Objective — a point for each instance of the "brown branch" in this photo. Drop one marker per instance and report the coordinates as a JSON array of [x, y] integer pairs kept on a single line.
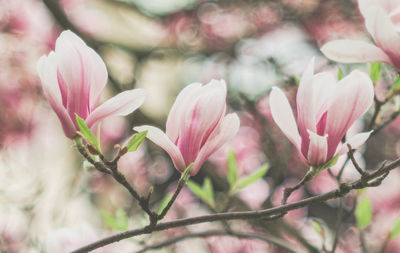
[[392, 117], [265, 238], [289, 190], [385, 243], [364, 247], [55, 10], [377, 109], [340, 192], [110, 167], [338, 225], [164, 212], [355, 163]]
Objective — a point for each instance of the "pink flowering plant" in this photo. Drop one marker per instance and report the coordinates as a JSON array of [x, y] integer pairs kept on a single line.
[[73, 77], [326, 109], [240, 135], [382, 21]]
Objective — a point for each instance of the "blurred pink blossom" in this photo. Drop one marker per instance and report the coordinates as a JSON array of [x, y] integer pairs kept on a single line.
[[73, 78], [134, 166], [382, 20], [325, 111], [112, 131], [255, 194], [247, 150], [13, 231], [196, 125]]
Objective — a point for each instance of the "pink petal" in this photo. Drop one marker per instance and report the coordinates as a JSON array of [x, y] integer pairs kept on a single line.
[[177, 111], [354, 51], [200, 117], [387, 5], [47, 71], [283, 116], [318, 149], [223, 133], [324, 85], [395, 15], [384, 33], [74, 72], [306, 106], [120, 105], [161, 139], [353, 98], [355, 142], [99, 77]]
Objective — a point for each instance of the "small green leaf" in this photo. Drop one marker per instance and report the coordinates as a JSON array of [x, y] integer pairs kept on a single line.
[[196, 189], [339, 74], [119, 222], [375, 71], [121, 219], [361, 191], [186, 174], [363, 213], [245, 181], [136, 140], [232, 168], [327, 165], [164, 203], [296, 80], [317, 227], [108, 219], [395, 229], [87, 165], [396, 86], [205, 193], [98, 135], [89, 136], [209, 191]]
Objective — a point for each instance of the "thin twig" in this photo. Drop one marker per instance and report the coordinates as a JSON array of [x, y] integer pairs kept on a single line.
[[392, 117], [338, 225], [363, 243], [289, 190], [340, 192], [377, 109], [110, 167], [164, 212], [339, 176], [385, 243], [265, 238], [355, 163]]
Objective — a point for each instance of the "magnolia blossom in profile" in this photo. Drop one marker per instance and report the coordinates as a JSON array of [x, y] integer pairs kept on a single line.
[[382, 20], [326, 109], [196, 125], [73, 78]]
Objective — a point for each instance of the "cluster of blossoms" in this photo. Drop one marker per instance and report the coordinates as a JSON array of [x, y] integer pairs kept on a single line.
[[74, 76]]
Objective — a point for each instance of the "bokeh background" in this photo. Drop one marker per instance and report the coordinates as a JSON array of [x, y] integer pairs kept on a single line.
[[50, 203]]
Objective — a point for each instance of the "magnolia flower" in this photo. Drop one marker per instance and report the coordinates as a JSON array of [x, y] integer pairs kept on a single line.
[[382, 20], [325, 111], [196, 125], [73, 78]]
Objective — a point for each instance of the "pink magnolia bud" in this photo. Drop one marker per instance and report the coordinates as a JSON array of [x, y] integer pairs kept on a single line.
[[382, 20], [73, 78], [196, 125], [325, 111]]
